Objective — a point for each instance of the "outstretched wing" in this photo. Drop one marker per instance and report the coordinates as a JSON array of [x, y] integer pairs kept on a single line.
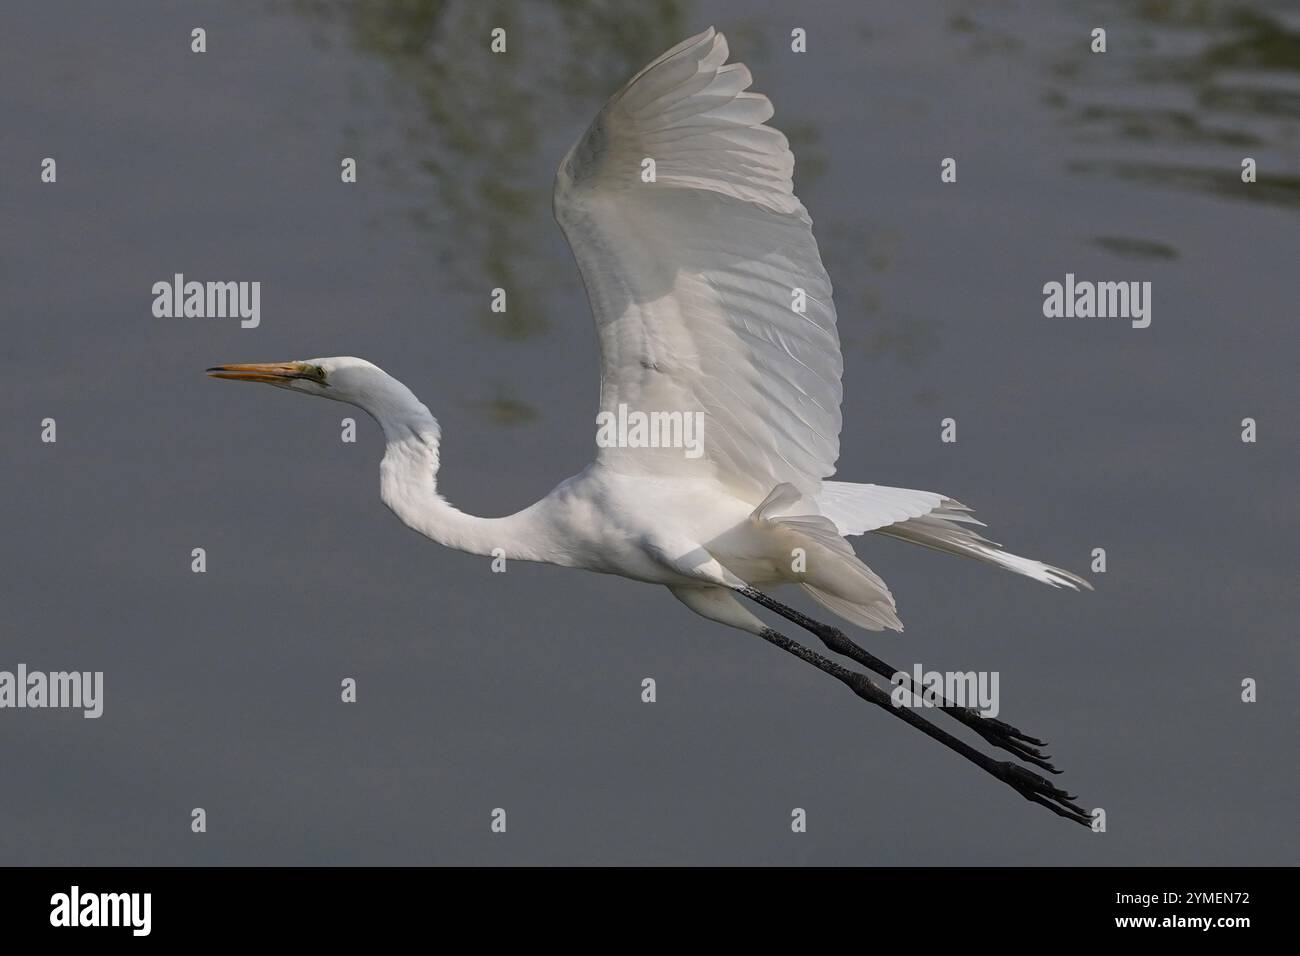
[[705, 281]]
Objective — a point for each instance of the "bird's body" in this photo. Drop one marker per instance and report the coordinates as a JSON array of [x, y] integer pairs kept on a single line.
[[652, 529], [711, 305]]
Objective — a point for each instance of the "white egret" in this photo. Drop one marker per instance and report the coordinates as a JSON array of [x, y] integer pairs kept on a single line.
[[710, 300]]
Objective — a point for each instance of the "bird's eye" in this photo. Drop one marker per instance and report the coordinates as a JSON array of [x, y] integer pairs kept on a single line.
[[317, 373]]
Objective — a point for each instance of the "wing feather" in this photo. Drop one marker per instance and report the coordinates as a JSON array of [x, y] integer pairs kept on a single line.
[[692, 276]]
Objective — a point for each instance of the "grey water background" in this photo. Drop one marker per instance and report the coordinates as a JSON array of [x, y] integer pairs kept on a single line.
[[522, 690]]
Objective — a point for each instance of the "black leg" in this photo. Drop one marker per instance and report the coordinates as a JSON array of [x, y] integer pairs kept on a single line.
[[996, 732], [1024, 781]]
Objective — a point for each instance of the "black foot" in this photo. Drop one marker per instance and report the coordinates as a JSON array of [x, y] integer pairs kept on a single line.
[[1005, 737], [1040, 790]]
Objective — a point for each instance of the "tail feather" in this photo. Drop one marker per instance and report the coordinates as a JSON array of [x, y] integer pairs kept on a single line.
[[875, 616], [931, 520], [835, 576]]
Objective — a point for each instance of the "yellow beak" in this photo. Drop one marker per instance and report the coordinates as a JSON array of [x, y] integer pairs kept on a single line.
[[273, 373]]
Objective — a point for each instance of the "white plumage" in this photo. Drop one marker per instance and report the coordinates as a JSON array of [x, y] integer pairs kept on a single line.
[[691, 280], [693, 275], [710, 300]]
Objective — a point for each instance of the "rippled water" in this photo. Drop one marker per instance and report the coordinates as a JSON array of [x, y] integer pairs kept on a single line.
[[1185, 89], [521, 690]]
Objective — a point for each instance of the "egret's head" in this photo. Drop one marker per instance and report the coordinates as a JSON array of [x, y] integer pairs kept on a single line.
[[343, 378]]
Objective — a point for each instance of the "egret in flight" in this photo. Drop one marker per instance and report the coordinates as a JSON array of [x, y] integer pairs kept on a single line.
[[711, 305]]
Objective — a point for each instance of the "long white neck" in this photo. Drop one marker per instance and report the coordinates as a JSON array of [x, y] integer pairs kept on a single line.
[[408, 478]]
